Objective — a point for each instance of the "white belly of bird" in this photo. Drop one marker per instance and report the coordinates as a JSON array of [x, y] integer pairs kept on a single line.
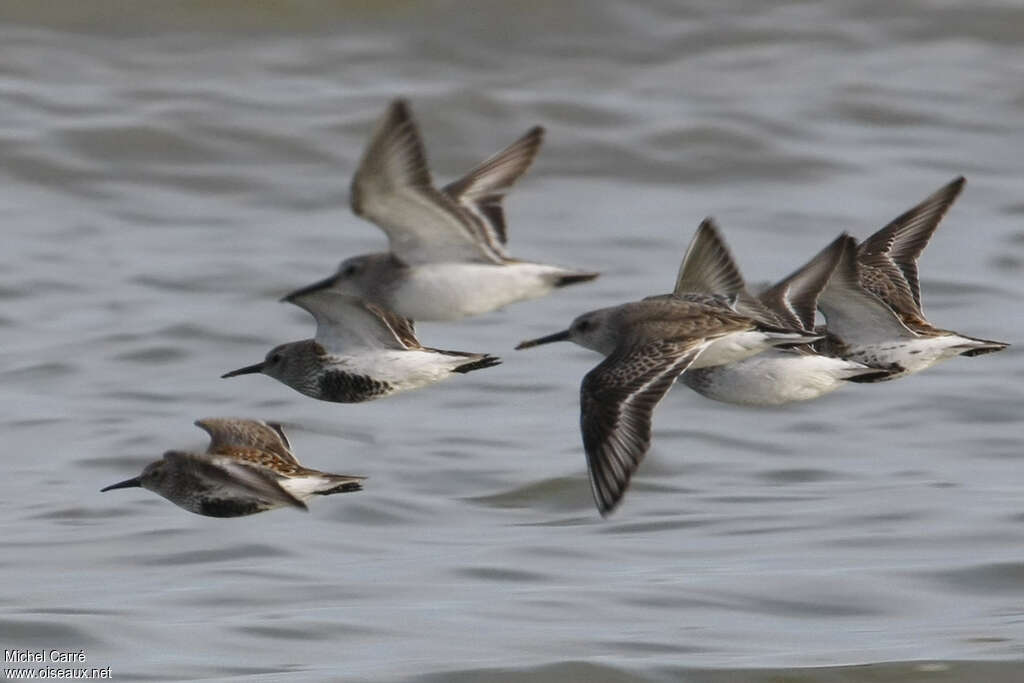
[[732, 348], [772, 378], [305, 487], [911, 355], [448, 291], [403, 370]]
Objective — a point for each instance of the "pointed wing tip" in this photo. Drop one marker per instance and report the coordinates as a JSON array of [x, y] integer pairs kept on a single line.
[[954, 187], [841, 238], [606, 508], [835, 249], [708, 265], [709, 229], [534, 138], [607, 500], [400, 108]]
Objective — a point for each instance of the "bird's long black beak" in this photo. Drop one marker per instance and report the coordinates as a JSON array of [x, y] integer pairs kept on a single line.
[[126, 484], [557, 336], [326, 283], [247, 370]]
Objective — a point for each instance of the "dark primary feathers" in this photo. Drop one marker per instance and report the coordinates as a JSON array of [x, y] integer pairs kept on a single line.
[[403, 328], [795, 298], [708, 268], [395, 151], [483, 188], [889, 257], [617, 399]]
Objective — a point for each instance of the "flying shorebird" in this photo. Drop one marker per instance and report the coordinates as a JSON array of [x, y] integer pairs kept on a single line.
[[647, 345], [361, 352], [872, 304], [777, 376], [249, 467], [447, 254]]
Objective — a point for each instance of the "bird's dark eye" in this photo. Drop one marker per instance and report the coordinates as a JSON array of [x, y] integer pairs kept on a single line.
[[350, 270], [276, 358], [584, 325]]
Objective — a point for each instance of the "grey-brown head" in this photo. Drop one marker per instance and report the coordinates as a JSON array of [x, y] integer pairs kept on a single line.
[[368, 276], [159, 477], [296, 364], [597, 330]]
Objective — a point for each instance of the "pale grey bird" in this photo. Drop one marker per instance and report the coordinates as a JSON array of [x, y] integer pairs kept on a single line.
[[361, 352], [647, 345], [447, 255], [872, 304], [248, 467]]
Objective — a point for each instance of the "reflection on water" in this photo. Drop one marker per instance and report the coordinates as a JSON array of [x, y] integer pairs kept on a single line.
[[170, 172]]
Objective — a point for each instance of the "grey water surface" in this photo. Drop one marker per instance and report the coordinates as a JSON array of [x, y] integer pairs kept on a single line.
[[169, 170]]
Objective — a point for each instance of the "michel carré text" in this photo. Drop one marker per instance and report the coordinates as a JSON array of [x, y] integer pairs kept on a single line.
[[26, 655]]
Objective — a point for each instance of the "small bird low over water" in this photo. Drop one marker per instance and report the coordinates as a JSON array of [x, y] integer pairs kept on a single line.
[[249, 467], [648, 344], [361, 352], [447, 255], [872, 303]]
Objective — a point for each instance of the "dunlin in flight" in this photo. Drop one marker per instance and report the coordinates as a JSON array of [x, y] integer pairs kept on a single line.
[[647, 345], [249, 467], [872, 304], [447, 255], [361, 352]]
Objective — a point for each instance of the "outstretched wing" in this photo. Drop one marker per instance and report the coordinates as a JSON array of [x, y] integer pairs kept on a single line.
[[617, 399], [345, 322], [482, 190], [709, 268], [795, 298], [889, 257], [393, 189], [230, 433], [853, 313]]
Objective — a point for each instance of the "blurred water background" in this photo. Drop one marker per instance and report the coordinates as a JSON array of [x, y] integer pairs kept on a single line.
[[171, 168]]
